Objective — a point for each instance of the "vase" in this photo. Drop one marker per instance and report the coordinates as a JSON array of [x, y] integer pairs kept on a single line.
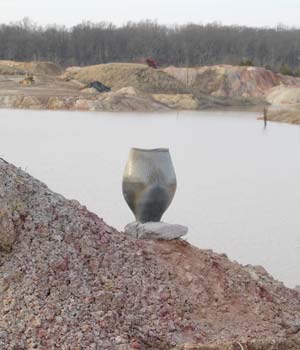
[[149, 183]]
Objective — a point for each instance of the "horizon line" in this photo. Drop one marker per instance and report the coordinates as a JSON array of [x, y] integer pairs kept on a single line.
[[31, 22]]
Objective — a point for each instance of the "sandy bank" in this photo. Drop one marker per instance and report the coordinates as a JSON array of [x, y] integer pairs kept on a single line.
[[285, 104], [136, 87], [232, 81]]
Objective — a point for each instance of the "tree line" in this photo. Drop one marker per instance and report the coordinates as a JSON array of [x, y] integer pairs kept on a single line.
[[181, 45]]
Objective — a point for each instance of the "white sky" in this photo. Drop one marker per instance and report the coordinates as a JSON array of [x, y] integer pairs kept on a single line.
[[70, 12]]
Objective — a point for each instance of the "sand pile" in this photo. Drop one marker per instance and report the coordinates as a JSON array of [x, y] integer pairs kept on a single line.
[[178, 101], [119, 75], [165, 88], [69, 281], [124, 100], [10, 70], [231, 81], [284, 95], [284, 113], [285, 104], [37, 68]]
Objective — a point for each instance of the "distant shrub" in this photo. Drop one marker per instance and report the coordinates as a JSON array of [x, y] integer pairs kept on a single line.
[[268, 67], [297, 72], [285, 70], [246, 63]]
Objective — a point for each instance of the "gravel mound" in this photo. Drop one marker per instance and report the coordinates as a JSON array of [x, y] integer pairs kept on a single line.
[[231, 81], [164, 86], [284, 95], [176, 101], [123, 100], [285, 113], [37, 68], [119, 75], [69, 281], [10, 70], [285, 104]]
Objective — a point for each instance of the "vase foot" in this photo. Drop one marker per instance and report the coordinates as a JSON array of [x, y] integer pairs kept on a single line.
[[155, 230]]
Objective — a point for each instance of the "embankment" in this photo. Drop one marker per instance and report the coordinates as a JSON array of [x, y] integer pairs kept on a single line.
[[136, 87], [285, 104], [246, 85], [69, 281], [232, 81]]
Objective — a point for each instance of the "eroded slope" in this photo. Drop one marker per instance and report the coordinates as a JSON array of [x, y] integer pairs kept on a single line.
[[69, 281]]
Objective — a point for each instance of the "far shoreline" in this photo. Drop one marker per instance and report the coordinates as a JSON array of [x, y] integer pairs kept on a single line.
[[138, 88]]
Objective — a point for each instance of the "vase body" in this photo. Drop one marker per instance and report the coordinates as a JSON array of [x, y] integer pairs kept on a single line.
[[149, 183]]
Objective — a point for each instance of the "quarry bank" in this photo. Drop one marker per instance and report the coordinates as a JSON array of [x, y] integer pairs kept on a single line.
[[70, 281], [137, 87]]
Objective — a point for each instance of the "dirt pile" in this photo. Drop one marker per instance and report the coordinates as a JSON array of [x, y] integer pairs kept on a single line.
[[27, 81], [154, 89], [284, 95], [178, 101], [130, 99], [69, 281], [123, 100], [231, 81], [284, 113], [159, 89], [285, 104], [37, 68], [163, 87], [119, 75], [6, 69]]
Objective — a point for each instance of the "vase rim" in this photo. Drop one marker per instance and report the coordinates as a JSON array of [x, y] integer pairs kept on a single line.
[[150, 149]]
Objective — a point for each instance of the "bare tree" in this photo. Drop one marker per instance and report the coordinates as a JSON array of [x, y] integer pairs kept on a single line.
[[185, 45]]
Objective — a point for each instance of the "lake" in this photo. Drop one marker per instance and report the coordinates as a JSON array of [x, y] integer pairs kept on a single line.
[[238, 184]]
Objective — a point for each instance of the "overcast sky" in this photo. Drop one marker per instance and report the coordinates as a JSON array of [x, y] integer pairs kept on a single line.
[[70, 12]]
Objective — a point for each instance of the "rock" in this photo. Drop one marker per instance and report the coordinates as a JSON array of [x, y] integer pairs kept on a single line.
[[8, 233], [90, 90], [129, 99], [32, 102], [202, 347], [27, 81], [155, 230], [129, 91], [98, 86]]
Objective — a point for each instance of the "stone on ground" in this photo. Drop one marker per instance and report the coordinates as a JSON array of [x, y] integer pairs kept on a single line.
[[155, 230]]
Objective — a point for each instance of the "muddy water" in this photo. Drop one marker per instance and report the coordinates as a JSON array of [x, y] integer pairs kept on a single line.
[[238, 185]]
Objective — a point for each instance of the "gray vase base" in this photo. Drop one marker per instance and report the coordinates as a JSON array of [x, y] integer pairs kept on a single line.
[[155, 230]]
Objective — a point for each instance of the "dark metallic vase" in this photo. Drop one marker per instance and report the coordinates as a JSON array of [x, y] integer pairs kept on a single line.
[[149, 183]]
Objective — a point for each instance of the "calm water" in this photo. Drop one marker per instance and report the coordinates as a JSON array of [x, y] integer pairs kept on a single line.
[[238, 185]]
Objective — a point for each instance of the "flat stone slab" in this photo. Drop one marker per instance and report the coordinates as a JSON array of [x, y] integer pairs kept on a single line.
[[155, 230]]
